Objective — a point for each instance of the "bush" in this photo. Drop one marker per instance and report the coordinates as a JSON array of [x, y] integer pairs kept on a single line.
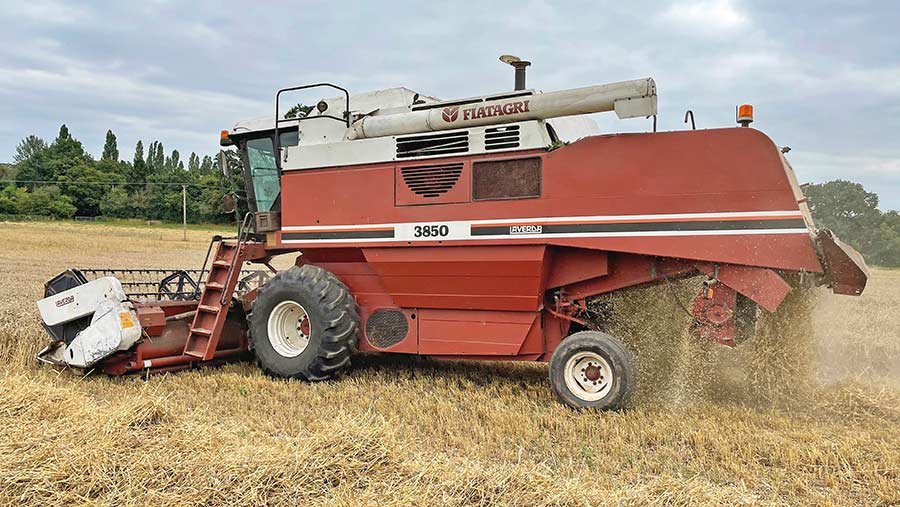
[[44, 201], [116, 203]]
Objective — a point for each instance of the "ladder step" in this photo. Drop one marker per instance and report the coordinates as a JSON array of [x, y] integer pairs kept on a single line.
[[209, 319], [193, 352]]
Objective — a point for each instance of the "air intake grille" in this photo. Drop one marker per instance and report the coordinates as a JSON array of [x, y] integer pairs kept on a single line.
[[386, 327], [431, 180], [433, 144], [498, 138]]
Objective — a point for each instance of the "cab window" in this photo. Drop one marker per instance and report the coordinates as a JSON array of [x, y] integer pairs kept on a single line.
[[263, 172]]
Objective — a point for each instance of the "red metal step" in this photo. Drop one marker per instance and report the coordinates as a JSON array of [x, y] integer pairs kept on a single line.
[[206, 329]]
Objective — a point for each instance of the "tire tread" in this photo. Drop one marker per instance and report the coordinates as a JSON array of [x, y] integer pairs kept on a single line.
[[340, 325]]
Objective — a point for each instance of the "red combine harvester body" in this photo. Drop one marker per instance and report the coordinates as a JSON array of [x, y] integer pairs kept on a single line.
[[468, 230]]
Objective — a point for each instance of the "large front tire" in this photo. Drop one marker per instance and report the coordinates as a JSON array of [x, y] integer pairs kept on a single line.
[[304, 324], [591, 369]]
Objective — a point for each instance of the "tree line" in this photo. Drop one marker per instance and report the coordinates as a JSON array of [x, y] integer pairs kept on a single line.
[[61, 180]]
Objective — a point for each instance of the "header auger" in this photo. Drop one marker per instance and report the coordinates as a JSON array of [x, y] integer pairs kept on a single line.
[[467, 229]]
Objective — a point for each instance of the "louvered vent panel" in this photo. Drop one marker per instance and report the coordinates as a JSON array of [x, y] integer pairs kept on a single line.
[[498, 138], [432, 144], [431, 181]]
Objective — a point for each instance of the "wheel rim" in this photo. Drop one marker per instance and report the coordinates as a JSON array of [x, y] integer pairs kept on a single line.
[[289, 328], [588, 376]]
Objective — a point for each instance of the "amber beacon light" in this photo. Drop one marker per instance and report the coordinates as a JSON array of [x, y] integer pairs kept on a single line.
[[745, 115]]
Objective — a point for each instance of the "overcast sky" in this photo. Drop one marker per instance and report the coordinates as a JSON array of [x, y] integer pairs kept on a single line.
[[824, 77]]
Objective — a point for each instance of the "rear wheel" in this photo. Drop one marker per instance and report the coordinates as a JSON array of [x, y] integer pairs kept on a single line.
[[591, 369], [304, 324]]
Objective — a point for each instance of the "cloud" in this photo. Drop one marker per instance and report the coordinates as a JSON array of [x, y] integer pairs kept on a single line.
[[91, 100], [877, 82], [875, 172], [709, 17], [53, 12], [825, 166], [825, 85], [79, 85]]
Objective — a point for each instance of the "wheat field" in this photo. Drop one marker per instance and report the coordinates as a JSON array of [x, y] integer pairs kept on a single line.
[[808, 413]]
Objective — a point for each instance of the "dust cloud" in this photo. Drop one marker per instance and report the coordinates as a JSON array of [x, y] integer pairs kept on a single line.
[[797, 356]]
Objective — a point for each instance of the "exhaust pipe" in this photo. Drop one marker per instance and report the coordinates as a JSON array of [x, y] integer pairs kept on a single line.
[[520, 66]]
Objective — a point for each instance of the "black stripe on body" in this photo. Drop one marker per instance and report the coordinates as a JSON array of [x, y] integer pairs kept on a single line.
[[712, 225], [294, 236]]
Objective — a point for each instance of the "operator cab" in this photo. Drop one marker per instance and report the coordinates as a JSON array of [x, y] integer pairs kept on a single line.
[[255, 142]]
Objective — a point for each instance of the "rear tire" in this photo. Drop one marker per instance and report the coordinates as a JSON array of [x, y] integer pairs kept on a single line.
[[304, 324], [591, 369]]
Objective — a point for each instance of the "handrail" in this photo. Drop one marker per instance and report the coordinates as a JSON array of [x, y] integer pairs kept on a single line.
[[242, 231], [206, 260], [279, 120]]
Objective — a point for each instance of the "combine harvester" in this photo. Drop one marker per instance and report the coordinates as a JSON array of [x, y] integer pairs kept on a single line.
[[465, 229]]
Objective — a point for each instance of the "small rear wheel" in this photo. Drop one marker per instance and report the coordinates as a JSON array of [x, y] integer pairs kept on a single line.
[[304, 324], [591, 369]]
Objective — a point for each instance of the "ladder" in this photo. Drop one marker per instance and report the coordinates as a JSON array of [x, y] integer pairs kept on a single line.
[[215, 298]]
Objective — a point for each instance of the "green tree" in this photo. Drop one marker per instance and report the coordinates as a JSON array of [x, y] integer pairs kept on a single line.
[[66, 150], [110, 147], [85, 184], [155, 158], [65, 153], [116, 203], [207, 166], [32, 161], [887, 250], [847, 209], [44, 201], [138, 165], [8, 198], [173, 164], [298, 111], [151, 155], [7, 171], [29, 146], [194, 163], [140, 203], [160, 157]]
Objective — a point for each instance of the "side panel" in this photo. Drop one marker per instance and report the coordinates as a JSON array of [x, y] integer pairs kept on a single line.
[[455, 332], [476, 277], [570, 265]]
